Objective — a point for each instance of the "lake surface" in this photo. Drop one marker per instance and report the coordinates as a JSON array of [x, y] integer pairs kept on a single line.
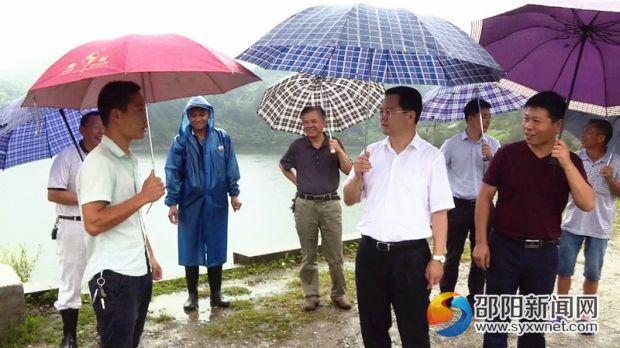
[[264, 224]]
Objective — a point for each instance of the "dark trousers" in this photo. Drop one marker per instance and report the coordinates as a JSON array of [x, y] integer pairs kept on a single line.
[[127, 299], [531, 271], [395, 278], [460, 224]]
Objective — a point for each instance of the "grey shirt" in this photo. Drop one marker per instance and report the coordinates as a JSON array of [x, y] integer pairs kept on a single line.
[[318, 170]]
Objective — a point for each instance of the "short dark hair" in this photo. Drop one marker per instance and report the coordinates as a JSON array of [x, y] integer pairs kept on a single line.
[[604, 127], [87, 116], [115, 95], [318, 109], [409, 99], [550, 101], [471, 109]]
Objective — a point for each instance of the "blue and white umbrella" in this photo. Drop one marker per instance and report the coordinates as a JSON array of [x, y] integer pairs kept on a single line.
[[390, 45], [27, 136], [446, 104]]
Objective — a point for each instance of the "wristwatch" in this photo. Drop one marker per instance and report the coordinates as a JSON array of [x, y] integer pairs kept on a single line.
[[440, 258]]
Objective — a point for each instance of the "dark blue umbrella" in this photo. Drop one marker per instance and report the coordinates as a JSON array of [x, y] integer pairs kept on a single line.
[[362, 42], [27, 135]]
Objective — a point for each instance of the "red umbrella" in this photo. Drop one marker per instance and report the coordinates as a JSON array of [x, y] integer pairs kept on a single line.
[[166, 66]]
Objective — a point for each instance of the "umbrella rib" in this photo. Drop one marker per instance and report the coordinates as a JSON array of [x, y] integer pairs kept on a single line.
[[596, 46], [564, 67], [525, 56], [523, 29]]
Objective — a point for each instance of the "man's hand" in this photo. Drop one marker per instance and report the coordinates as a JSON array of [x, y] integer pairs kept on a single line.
[[362, 164], [156, 271], [608, 172], [173, 214], [235, 203], [486, 151], [482, 256], [334, 146], [561, 152], [153, 188], [434, 272]]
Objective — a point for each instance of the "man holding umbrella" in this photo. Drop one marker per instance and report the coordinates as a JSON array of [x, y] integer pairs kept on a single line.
[[317, 161], [467, 158], [61, 189], [591, 228], [121, 265], [522, 250]]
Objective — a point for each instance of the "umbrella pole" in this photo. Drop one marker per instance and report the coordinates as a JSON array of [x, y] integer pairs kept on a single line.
[[64, 118], [574, 80], [148, 125]]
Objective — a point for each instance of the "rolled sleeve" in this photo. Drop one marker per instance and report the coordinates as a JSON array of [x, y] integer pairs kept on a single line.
[[60, 174], [288, 160], [94, 181]]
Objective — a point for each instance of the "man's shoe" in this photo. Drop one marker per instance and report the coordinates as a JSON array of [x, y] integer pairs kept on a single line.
[[310, 303], [342, 302], [192, 303]]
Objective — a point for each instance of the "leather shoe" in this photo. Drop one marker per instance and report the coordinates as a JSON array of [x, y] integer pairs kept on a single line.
[[342, 302], [310, 303]]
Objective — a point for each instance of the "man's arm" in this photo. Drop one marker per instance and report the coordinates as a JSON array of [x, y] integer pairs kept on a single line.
[[614, 185], [62, 196], [99, 217], [343, 159], [156, 270], [353, 188], [434, 269], [481, 254], [289, 174], [582, 193]]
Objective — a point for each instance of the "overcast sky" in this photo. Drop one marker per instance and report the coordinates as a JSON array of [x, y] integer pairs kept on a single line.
[[35, 33]]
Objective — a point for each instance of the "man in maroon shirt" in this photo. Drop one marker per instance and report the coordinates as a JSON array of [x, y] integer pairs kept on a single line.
[[533, 179]]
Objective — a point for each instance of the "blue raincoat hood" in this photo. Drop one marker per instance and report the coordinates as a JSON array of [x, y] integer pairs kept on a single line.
[[196, 102]]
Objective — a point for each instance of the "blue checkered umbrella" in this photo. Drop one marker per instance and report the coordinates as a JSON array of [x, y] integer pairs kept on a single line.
[[26, 137], [446, 104], [369, 43]]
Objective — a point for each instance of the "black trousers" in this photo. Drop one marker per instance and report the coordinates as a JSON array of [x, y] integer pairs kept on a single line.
[[460, 225], [395, 278], [127, 299], [531, 271]]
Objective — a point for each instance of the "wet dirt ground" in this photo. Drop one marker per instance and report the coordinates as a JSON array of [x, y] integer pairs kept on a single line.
[[185, 330]]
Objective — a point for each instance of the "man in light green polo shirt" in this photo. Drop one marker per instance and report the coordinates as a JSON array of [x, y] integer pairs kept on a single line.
[[120, 262]]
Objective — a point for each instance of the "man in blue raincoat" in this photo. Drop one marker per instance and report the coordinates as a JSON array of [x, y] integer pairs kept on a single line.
[[201, 170]]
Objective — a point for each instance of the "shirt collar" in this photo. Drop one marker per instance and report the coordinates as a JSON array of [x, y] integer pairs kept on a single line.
[[112, 147], [325, 141], [415, 143], [583, 154], [464, 137]]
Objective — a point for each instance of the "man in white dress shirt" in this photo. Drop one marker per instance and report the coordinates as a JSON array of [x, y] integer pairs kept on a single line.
[[404, 183]]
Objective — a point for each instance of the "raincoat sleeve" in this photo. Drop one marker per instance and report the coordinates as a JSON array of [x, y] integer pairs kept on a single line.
[[174, 172], [232, 167]]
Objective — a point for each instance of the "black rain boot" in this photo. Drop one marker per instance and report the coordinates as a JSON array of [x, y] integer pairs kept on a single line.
[[191, 277], [69, 327], [214, 274]]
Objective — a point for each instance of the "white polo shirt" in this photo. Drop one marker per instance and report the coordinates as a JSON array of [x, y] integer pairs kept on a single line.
[[63, 175], [109, 175], [401, 191]]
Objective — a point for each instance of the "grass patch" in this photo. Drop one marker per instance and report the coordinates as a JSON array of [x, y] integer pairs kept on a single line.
[[161, 317], [276, 317], [36, 329]]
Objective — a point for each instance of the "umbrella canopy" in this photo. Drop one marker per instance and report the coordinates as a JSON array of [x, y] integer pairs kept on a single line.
[[446, 104], [30, 136], [165, 66], [370, 43], [569, 47], [345, 101]]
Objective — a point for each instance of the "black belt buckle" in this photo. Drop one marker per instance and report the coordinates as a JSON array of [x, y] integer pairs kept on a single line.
[[382, 246], [533, 243]]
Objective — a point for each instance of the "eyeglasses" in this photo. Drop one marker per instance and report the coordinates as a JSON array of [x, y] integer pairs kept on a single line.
[[390, 113]]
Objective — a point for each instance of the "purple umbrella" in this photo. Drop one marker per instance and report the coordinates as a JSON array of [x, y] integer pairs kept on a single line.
[[569, 47]]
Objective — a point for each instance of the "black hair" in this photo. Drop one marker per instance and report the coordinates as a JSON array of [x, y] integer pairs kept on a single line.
[[87, 116], [308, 109], [409, 99], [550, 101], [115, 95], [604, 127], [471, 109]]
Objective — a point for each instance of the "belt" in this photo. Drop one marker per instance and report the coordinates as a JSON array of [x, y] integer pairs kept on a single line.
[[464, 202], [530, 243], [394, 246], [326, 197], [73, 218]]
